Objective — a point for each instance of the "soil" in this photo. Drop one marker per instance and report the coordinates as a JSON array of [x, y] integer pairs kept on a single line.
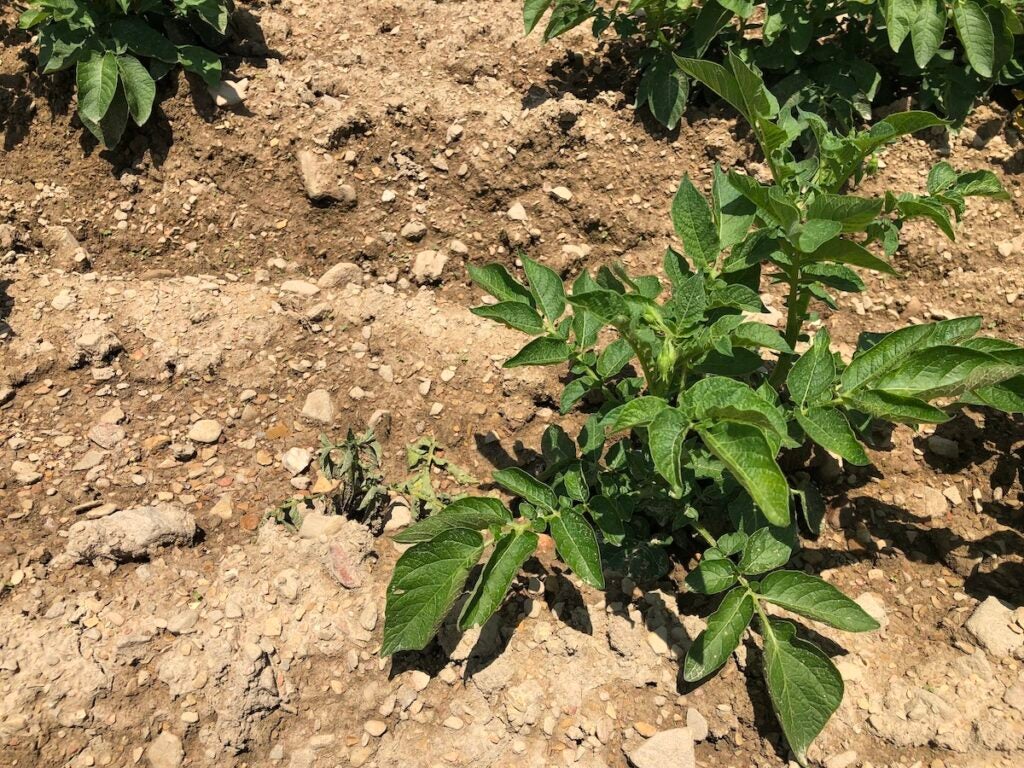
[[181, 279]]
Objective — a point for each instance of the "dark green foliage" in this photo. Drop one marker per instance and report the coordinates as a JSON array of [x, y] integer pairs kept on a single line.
[[121, 48]]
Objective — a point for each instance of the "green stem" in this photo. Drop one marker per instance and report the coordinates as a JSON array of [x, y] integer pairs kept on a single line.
[[796, 311]]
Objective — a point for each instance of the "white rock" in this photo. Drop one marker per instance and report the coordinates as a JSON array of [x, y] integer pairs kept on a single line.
[[205, 431], [165, 751], [562, 194], [517, 212], [301, 287], [667, 749], [697, 724], [429, 266], [316, 524], [874, 606], [319, 406], [992, 625], [127, 535], [229, 93], [295, 460]]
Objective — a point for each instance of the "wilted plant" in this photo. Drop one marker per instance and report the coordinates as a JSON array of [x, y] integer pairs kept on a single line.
[[686, 445], [121, 48]]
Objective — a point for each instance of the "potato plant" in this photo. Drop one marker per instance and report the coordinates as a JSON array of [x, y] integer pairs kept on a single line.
[[833, 56], [692, 400], [121, 48]]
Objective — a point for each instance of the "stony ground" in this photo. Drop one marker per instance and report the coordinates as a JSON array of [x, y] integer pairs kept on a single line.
[[180, 320]]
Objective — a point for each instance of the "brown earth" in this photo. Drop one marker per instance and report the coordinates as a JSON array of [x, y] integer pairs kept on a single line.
[[144, 290]]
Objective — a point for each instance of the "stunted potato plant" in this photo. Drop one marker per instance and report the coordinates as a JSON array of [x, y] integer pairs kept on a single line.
[[834, 56], [689, 417], [121, 48]]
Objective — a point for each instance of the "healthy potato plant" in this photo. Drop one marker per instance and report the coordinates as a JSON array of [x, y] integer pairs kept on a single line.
[[836, 57], [692, 401], [121, 48]]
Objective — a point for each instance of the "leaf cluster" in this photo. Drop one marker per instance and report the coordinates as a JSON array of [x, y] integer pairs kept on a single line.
[[835, 57], [692, 400], [121, 48]]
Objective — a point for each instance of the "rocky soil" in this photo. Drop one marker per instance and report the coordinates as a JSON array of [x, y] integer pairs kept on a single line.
[[181, 319]]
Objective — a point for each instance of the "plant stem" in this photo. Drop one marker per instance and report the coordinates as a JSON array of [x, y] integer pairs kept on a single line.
[[796, 310]]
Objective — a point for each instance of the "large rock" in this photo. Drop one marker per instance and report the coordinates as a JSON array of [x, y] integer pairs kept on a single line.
[[994, 626], [667, 749], [165, 751], [320, 179], [130, 534], [319, 407]]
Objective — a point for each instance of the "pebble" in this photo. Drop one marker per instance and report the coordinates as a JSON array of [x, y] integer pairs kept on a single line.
[[296, 460], [229, 93], [165, 751], [319, 407], [300, 287], [517, 212], [205, 431], [667, 749], [375, 727], [414, 231], [993, 625], [697, 724], [844, 760], [562, 194], [428, 266], [454, 723]]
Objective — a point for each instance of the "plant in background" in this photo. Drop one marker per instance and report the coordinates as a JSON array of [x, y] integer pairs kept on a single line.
[[688, 419], [120, 48], [836, 57], [423, 459]]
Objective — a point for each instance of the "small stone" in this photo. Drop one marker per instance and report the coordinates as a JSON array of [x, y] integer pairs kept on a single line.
[[300, 287], [941, 446], [419, 680], [874, 606], [316, 524], [106, 435], [224, 508], [429, 266], [454, 723], [342, 273], [205, 431], [183, 623], [667, 749], [296, 460], [935, 504], [320, 178], [953, 494], [229, 93], [517, 212], [62, 300], [375, 727], [844, 760], [414, 231], [645, 729], [165, 751], [25, 473], [562, 194], [89, 460], [454, 133], [319, 407], [697, 724], [401, 517], [388, 196]]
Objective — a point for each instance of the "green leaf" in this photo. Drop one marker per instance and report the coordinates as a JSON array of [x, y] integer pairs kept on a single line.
[[533, 11], [718, 398], [718, 79], [139, 88], [854, 213], [692, 218], [815, 599], [927, 30], [830, 429], [546, 287], [899, 16], [143, 40], [725, 629], [427, 580], [757, 335], [945, 371], [666, 435], [804, 686], [638, 413], [200, 61], [975, 31], [526, 486], [606, 305], [496, 280], [577, 546], [510, 552], [614, 358], [734, 213], [895, 347], [902, 410], [815, 371], [609, 519], [689, 301], [514, 314], [667, 90], [541, 351], [764, 551], [97, 85], [110, 129], [745, 451], [476, 513], [712, 576], [815, 233], [842, 251]]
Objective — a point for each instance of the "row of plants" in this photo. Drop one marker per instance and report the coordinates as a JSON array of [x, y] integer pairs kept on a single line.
[[120, 49], [833, 57], [693, 406]]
